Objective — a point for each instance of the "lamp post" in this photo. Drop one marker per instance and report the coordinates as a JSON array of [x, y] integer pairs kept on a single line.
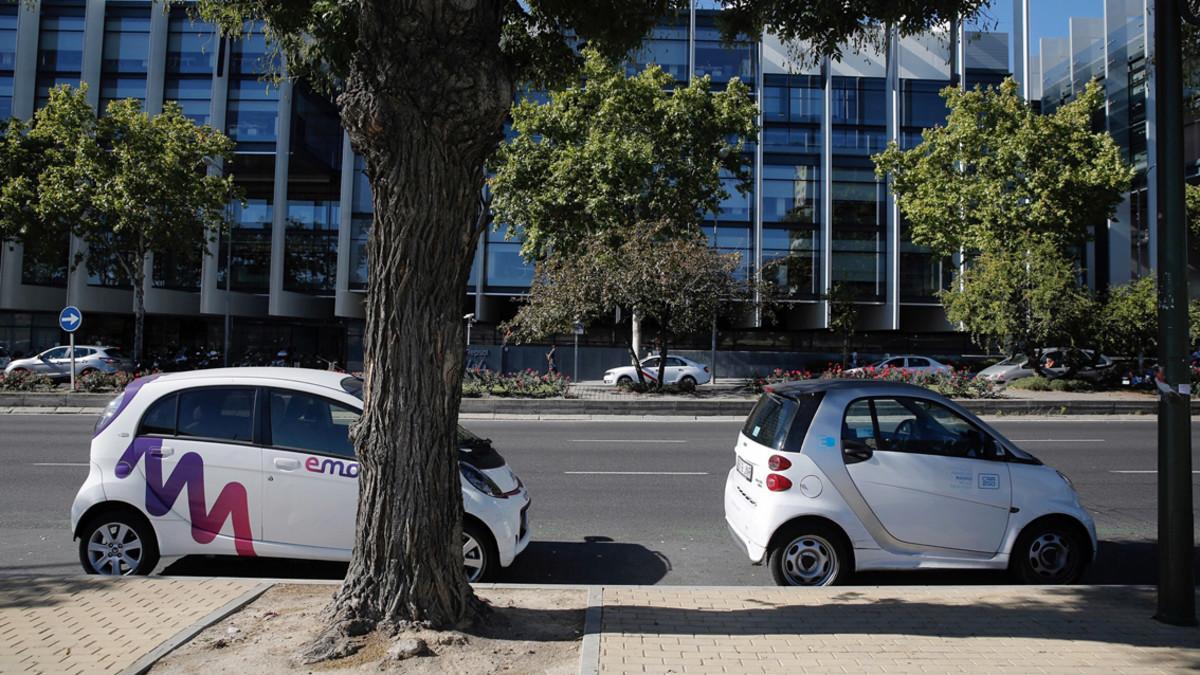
[[1176, 582]]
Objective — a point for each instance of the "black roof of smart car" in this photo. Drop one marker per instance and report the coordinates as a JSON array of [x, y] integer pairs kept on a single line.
[[800, 387]]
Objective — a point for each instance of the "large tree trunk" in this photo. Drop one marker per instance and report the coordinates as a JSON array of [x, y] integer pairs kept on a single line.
[[425, 104]]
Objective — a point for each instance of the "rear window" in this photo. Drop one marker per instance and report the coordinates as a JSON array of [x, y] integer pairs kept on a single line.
[[768, 422], [114, 353]]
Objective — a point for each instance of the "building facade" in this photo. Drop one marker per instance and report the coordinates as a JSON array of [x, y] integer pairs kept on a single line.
[[293, 271]]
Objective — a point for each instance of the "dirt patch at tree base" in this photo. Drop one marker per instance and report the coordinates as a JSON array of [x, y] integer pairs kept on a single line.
[[527, 631]]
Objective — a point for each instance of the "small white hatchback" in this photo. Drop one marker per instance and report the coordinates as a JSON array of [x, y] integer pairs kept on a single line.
[[837, 476], [257, 462]]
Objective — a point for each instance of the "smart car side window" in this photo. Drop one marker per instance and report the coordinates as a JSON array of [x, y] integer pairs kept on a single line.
[[159, 419], [217, 413], [310, 423], [858, 426], [924, 427]]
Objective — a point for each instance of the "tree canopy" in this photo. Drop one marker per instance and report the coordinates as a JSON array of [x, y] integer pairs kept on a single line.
[[999, 173]]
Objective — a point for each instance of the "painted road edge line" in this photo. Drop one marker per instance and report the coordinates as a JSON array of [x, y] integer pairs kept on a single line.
[[176, 641], [1140, 471], [593, 618], [625, 440], [636, 473], [60, 464]]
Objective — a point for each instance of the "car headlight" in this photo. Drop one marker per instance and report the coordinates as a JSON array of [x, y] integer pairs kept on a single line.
[[479, 481]]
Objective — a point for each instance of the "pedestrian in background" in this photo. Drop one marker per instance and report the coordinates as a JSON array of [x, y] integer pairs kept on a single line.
[[552, 360]]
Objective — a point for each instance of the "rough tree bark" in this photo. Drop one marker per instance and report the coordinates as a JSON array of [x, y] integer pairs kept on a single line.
[[425, 104]]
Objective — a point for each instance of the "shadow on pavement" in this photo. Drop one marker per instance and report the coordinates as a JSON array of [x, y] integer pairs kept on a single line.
[[24, 592], [273, 568]]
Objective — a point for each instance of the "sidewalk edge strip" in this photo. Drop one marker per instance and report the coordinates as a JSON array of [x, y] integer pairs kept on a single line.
[[589, 651], [148, 660]]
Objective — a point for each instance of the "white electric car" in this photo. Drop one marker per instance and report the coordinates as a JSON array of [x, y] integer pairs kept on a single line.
[[837, 476], [257, 462]]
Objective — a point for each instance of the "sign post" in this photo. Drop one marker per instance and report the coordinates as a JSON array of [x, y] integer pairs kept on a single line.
[[70, 319], [578, 330]]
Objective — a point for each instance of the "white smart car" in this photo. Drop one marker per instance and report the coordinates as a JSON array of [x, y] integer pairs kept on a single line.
[[681, 371], [256, 462], [837, 476]]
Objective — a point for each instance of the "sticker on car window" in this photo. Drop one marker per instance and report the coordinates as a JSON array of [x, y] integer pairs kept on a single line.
[[755, 432]]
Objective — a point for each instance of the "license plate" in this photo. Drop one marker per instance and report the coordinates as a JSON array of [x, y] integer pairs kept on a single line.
[[745, 468]]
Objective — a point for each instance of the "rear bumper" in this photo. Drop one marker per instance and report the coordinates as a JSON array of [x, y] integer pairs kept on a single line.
[[739, 519]]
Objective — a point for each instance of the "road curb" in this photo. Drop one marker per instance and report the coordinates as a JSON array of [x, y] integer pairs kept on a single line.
[[589, 650], [176, 641]]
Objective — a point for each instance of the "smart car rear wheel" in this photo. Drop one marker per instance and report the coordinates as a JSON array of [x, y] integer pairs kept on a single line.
[[114, 543], [480, 559], [1049, 553], [810, 555]]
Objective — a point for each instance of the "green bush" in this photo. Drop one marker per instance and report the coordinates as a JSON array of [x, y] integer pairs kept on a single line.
[[23, 380], [97, 381], [1071, 385], [526, 384], [1039, 383], [1035, 383], [955, 384]]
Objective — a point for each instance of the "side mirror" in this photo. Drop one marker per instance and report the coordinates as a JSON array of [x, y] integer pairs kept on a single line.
[[855, 451]]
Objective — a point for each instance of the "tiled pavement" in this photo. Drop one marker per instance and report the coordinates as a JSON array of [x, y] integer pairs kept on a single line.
[[99, 625], [1011, 629]]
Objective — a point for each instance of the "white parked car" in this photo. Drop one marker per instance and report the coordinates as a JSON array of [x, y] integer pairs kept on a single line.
[[1054, 363], [268, 470], [55, 362], [679, 370], [909, 362], [837, 476]]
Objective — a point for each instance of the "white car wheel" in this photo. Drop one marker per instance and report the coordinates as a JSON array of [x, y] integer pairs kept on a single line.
[[115, 544], [479, 554]]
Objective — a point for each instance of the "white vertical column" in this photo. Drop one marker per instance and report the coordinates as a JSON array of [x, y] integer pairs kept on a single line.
[[891, 318], [156, 61], [12, 293], [826, 190], [78, 292], [212, 298], [279, 208], [758, 180], [1021, 48], [343, 300]]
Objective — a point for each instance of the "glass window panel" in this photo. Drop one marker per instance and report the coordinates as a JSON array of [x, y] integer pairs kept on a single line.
[[8, 36], [217, 413], [127, 43], [796, 254], [310, 246], [858, 262], [160, 418], [311, 423], [251, 236], [506, 267], [191, 46], [723, 63], [791, 194]]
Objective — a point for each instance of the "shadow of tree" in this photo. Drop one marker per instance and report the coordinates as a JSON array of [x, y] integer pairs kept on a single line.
[[32, 591]]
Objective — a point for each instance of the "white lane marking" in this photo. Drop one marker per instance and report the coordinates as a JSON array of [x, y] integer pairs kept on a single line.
[[621, 440], [636, 473], [1142, 471], [1058, 440], [60, 464]]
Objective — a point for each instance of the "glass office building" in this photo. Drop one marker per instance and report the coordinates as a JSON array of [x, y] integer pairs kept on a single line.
[[293, 268]]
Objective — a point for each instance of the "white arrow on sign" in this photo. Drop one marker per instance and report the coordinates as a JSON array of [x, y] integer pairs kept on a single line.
[[71, 319]]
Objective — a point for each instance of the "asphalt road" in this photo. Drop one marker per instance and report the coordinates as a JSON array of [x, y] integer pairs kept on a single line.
[[616, 502]]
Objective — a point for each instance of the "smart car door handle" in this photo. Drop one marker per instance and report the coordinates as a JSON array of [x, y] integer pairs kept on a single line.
[[162, 452], [286, 464]]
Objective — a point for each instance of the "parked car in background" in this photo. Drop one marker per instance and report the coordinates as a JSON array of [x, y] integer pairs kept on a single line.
[[55, 362], [909, 362], [681, 371], [1056, 362], [832, 477]]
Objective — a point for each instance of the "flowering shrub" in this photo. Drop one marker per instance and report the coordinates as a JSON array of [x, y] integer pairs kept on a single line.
[[97, 381], [525, 384], [956, 384], [23, 380]]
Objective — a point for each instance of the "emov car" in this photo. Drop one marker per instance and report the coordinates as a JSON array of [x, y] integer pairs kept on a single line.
[[257, 462], [837, 476]]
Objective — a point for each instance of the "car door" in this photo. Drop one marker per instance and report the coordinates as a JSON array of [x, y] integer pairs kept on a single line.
[[50, 362], [310, 474], [650, 368], [930, 477], [676, 368], [201, 441]]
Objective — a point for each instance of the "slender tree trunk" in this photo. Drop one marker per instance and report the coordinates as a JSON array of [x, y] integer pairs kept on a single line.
[[139, 317], [662, 358], [633, 358], [425, 103]]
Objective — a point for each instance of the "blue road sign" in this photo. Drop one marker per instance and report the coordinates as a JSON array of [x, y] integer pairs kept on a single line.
[[70, 318]]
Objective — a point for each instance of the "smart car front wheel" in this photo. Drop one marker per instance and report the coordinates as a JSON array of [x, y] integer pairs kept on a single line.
[[811, 555], [116, 544], [1050, 552]]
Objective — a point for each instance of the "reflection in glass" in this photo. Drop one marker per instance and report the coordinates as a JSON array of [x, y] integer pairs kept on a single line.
[[310, 246], [60, 47], [191, 57], [8, 57], [126, 49], [798, 252], [251, 236]]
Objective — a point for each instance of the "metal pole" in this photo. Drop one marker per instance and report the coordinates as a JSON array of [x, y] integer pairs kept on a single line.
[[228, 297], [1176, 583], [714, 351], [575, 368], [72, 334]]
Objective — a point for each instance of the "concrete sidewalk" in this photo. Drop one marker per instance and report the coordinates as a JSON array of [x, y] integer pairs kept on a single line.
[[86, 624]]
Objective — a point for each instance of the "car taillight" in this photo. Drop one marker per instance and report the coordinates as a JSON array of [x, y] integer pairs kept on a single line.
[[109, 361], [777, 483], [779, 463]]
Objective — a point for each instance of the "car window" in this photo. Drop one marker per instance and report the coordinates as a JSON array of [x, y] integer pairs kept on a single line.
[[859, 425], [768, 422], [81, 352], [114, 353], [56, 353], [924, 427], [650, 362], [675, 361], [918, 362], [217, 412], [159, 420], [311, 423]]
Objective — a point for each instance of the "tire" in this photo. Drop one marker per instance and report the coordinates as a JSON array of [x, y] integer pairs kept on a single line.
[[810, 554], [624, 380], [117, 529], [1050, 552], [480, 559], [687, 383]]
